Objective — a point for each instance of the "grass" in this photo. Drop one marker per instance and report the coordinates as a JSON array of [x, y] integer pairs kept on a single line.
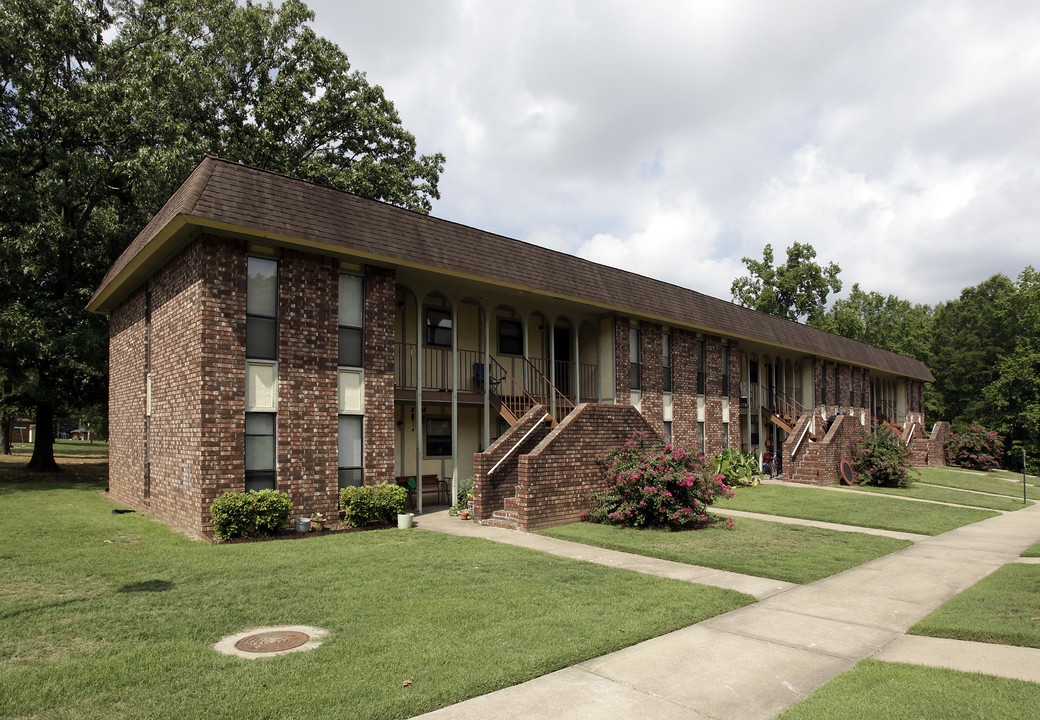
[[947, 495], [895, 691], [114, 616], [1001, 608], [1033, 551], [990, 483], [852, 509], [794, 553]]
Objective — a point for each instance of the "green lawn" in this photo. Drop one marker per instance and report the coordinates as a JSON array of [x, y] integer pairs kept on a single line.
[[947, 495], [794, 553], [1001, 608], [894, 691], [1033, 551], [991, 483], [852, 509], [66, 448], [114, 616]]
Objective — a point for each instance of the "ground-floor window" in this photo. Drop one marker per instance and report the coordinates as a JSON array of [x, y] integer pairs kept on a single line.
[[438, 437], [260, 445], [351, 456], [700, 437]]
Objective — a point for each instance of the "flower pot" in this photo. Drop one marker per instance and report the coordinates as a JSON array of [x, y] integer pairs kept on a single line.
[[404, 520], [303, 524], [464, 514]]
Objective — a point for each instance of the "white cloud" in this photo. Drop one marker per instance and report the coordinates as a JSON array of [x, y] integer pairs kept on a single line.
[[902, 139]]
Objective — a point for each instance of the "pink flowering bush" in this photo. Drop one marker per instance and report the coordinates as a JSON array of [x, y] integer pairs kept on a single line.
[[976, 448], [881, 459], [652, 484]]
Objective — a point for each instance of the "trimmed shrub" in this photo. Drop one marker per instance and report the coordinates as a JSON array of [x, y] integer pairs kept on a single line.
[[976, 448], [651, 484], [372, 503], [881, 459], [257, 513], [736, 468]]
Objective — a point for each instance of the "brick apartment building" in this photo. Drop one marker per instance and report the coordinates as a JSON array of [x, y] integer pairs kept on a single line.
[[267, 332]]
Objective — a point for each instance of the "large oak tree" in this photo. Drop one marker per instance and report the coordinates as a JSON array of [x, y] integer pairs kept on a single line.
[[106, 105]]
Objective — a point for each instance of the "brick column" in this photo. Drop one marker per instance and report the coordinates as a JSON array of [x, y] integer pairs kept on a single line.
[[307, 382], [713, 396], [622, 381], [380, 308], [653, 375], [684, 388]]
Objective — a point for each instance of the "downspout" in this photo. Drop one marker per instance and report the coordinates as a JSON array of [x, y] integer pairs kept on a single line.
[[454, 400], [419, 430]]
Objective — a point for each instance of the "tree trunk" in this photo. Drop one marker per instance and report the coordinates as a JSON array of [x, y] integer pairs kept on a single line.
[[5, 443], [43, 449]]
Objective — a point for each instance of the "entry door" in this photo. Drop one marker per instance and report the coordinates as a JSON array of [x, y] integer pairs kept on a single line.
[[562, 343]]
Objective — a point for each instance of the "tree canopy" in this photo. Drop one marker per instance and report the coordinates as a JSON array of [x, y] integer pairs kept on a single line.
[[106, 105], [796, 290], [884, 321]]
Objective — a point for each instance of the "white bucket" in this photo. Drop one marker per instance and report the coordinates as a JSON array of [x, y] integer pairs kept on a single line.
[[303, 524], [404, 520]]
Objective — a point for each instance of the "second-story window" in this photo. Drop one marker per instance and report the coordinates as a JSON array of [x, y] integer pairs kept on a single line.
[[261, 372], [666, 353], [510, 337], [725, 371], [438, 327], [634, 360], [351, 320]]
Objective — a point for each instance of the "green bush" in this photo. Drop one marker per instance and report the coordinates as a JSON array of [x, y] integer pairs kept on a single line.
[[249, 514], [372, 503], [976, 448], [650, 484], [881, 459], [736, 468]]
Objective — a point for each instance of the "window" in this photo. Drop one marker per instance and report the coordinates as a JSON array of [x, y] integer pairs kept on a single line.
[[262, 308], [260, 445], [700, 437], [351, 452], [725, 435], [261, 372], [510, 337], [634, 358], [351, 320], [666, 352], [668, 432], [700, 372], [438, 327], [438, 437], [725, 371]]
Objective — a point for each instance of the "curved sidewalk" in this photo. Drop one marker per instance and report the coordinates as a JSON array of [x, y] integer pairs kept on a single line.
[[754, 662]]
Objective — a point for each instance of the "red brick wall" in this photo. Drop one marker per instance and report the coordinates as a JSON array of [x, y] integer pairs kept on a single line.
[[489, 493], [651, 400], [126, 400], [556, 479], [307, 381], [713, 396], [684, 388], [622, 387], [223, 394], [820, 462], [380, 308], [176, 383]]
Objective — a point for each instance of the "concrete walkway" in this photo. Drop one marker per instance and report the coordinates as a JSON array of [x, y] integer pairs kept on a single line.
[[755, 662]]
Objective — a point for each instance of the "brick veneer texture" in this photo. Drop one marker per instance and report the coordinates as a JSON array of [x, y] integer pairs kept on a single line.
[[844, 397], [556, 479], [684, 388], [713, 396], [126, 401], [820, 462], [489, 493], [380, 308], [734, 390], [622, 387], [652, 401], [307, 381]]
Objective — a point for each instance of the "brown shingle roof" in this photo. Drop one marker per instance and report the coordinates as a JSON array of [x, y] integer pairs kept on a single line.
[[226, 195]]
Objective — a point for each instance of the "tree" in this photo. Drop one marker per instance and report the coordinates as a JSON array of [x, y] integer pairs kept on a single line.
[[796, 290], [105, 105], [884, 321]]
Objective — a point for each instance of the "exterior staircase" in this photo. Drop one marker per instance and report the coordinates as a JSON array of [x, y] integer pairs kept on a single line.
[[508, 517], [513, 398]]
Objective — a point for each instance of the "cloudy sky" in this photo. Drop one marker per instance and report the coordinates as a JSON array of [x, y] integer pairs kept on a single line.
[[901, 139]]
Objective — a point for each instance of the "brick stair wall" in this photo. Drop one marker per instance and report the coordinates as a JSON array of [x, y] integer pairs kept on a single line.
[[819, 463], [490, 493]]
